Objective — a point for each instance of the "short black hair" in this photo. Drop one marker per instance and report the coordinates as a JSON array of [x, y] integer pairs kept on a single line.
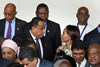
[[73, 32], [27, 42], [41, 5], [28, 53], [35, 21], [78, 44]]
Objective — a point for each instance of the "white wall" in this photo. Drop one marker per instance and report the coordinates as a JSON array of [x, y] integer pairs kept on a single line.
[[61, 11]]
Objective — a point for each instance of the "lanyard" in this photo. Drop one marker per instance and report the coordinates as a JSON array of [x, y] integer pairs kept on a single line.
[[82, 30]]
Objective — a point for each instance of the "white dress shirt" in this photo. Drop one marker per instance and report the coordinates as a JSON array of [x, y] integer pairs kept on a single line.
[[38, 64], [83, 63], [87, 30], [12, 28]]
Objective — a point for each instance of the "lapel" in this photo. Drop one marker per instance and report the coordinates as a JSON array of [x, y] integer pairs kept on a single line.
[[48, 28], [17, 26], [3, 26], [95, 31]]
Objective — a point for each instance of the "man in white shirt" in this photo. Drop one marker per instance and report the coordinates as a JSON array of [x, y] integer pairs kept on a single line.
[[82, 17], [78, 53]]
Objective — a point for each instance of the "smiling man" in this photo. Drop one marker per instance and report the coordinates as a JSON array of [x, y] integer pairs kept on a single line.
[[78, 53], [94, 55]]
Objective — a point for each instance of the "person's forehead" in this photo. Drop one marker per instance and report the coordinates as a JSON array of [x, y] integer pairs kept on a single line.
[[94, 49], [41, 9], [83, 10], [78, 50]]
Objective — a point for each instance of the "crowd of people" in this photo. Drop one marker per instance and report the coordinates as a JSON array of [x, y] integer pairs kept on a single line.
[[39, 43]]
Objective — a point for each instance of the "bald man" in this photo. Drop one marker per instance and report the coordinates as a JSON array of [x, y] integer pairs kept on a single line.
[[94, 55], [82, 17], [10, 23], [63, 63]]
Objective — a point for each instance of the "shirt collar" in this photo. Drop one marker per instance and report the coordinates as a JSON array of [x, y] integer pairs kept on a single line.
[[32, 35], [83, 62], [38, 62], [12, 20], [98, 29]]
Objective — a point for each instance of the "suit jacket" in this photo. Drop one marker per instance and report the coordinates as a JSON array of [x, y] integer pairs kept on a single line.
[[45, 63], [24, 36], [52, 40], [18, 26], [92, 37], [4, 62]]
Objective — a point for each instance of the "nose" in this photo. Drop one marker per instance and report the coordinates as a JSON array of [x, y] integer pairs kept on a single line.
[[78, 55], [5, 56], [6, 16], [92, 56]]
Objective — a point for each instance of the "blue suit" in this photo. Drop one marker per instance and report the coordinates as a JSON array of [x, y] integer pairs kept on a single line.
[[45, 63], [4, 62]]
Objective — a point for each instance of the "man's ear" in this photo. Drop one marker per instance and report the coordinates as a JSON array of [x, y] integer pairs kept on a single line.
[[35, 60]]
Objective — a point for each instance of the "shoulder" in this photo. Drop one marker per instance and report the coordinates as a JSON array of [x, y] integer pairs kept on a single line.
[[5, 62], [20, 20], [52, 22], [2, 20], [91, 32], [45, 63]]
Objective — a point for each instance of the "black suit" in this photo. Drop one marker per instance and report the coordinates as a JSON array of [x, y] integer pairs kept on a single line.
[[52, 40], [18, 26], [21, 37], [92, 37]]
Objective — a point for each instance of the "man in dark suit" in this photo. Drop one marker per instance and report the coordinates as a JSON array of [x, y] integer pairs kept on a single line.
[[93, 37], [29, 58], [52, 35], [35, 32], [16, 26]]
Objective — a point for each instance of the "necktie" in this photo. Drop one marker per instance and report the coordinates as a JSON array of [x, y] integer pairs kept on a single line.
[[38, 47], [79, 64], [9, 31]]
